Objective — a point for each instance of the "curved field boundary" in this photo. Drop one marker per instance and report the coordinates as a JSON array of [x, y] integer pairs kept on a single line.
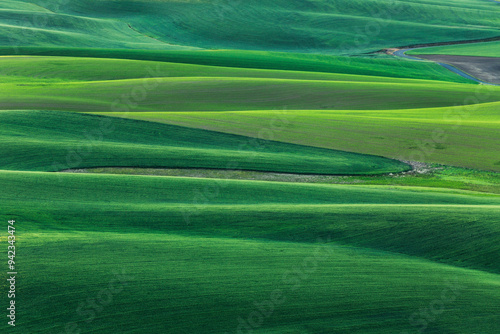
[[402, 53]]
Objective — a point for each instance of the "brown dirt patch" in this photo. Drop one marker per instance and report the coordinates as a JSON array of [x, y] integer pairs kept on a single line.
[[484, 68]]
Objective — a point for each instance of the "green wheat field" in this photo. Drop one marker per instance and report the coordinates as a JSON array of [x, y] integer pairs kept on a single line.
[[248, 167]]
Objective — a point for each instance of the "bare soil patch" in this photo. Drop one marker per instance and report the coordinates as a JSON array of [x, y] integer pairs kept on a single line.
[[486, 69]]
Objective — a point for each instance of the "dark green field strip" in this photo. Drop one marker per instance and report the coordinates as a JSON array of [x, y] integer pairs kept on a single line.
[[174, 284], [228, 191], [379, 66], [27, 25], [489, 49], [52, 141], [387, 218]]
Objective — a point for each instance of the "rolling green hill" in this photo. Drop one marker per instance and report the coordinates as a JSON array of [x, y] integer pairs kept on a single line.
[[229, 94], [170, 285], [28, 24], [52, 141], [338, 27], [179, 87], [343, 240], [93, 65], [191, 266]]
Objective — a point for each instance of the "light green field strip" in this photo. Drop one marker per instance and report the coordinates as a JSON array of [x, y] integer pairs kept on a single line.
[[389, 251], [79, 69], [29, 24], [459, 136], [170, 284], [489, 49], [335, 27], [374, 65], [7, 5], [228, 94]]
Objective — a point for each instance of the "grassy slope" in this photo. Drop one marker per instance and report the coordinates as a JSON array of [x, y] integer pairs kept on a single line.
[[30, 82], [215, 64], [490, 49], [432, 135], [346, 292], [340, 27], [393, 251], [101, 219], [28, 24], [190, 278], [435, 224], [207, 300], [48, 141], [229, 94]]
